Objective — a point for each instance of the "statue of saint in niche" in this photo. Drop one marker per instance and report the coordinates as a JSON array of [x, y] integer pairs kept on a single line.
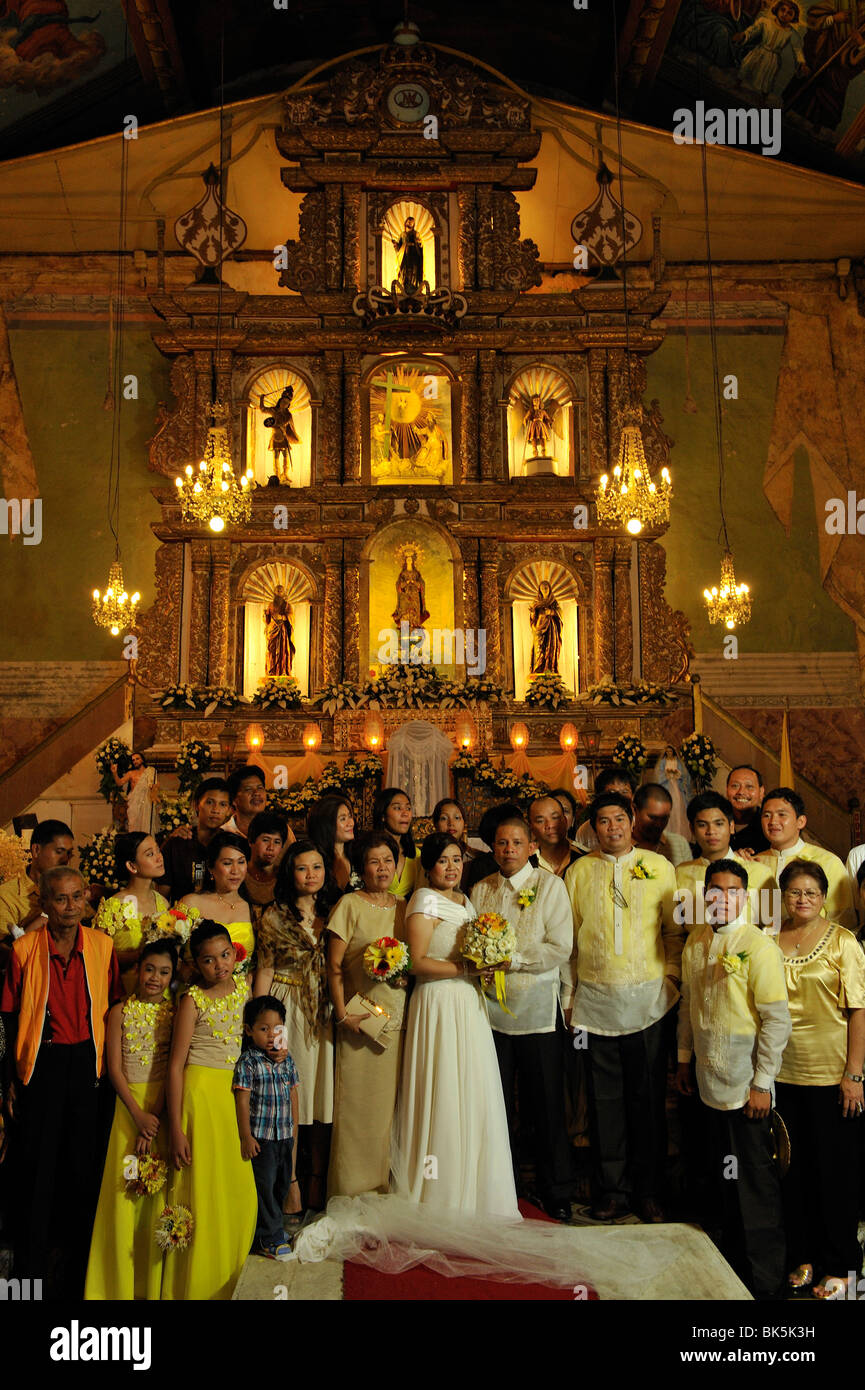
[[278, 631], [280, 422], [545, 620], [410, 591], [538, 424], [410, 273]]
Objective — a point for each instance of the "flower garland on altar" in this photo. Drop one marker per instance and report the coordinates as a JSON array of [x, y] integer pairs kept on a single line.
[[357, 769], [193, 761], [499, 780], [277, 692], [547, 690], [201, 697], [407, 687], [608, 692]]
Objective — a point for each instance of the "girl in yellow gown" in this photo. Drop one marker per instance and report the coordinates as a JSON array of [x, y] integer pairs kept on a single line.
[[212, 1181], [392, 812], [227, 904], [125, 1261], [127, 914]]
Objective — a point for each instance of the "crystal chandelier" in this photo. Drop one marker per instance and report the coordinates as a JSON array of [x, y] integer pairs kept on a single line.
[[730, 603], [115, 609], [631, 499], [215, 494]]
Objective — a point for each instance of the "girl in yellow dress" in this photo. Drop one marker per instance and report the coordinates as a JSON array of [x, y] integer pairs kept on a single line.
[[228, 904], [212, 1181], [125, 1262], [392, 812], [126, 915]]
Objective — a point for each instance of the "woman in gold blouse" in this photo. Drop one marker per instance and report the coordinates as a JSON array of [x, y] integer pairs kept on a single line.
[[819, 1086], [367, 1071]]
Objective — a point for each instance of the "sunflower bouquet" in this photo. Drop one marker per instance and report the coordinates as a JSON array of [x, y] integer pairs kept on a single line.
[[490, 940], [145, 1174], [386, 959], [174, 1228]]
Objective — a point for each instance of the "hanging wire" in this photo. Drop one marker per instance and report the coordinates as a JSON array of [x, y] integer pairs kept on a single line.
[[622, 198], [713, 335], [222, 192], [116, 322]]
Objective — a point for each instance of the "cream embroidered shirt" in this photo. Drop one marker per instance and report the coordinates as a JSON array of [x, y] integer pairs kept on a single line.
[[838, 906], [734, 1017], [625, 942], [764, 902], [544, 935]]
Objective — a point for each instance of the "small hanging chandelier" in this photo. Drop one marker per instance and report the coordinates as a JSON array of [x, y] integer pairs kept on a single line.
[[729, 603], [215, 494], [631, 499], [115, 609]]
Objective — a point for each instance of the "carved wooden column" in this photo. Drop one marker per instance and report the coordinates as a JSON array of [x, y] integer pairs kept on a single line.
[[333, 236], [351, 609], [489, 462], [351, 236], [217, 666], [199, 613], [159, 627], [599, 444], [471, 611], [332, 418], [201, 420], [351, 425], [332, 640], [623, 632], [489, 606], [603, 607], [468, 236], [468, 418], [486, 267]]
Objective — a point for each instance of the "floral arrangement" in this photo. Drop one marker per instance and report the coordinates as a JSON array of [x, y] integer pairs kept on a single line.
[[406, 686], [294, 802], [642, 870], [338, 695], [203, 697], [699, 756], [733, 963], [113, 750], [498, 779], [547, 690], [96, 860], [630, 752], [280, 692], [145, 1174], [174, 1228], [489, 940], [175, 923], [13, 856], [113, 914], [464, 762], [526, 897], [179, 697], [386, 959], [479, 688], [242, 960], [192, 762], [608, 692], [174, 810]]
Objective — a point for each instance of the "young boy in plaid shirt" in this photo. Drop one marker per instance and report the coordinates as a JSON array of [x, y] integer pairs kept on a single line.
[[265, 1093]]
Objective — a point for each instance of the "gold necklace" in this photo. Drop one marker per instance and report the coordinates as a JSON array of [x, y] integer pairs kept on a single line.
[[797, 945], [221, 897]]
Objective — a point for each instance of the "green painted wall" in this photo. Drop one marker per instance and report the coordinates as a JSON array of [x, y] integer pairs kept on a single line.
[[791, 611], [47, 589]]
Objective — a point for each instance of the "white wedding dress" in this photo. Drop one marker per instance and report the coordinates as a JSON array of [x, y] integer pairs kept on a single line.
[[450, 1146]]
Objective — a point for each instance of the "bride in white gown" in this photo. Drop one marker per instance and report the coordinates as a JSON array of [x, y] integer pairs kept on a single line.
[[450, 1146]]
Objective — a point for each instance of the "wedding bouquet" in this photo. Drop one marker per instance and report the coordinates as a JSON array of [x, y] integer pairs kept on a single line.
[[174, 1228], [242, 960], [175, 923], [386, 959], [489, 939], [145, 1174], [113, 914]]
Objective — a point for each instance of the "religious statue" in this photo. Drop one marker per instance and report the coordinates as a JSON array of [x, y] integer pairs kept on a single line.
[[410, 273], [278, 630], [545, 620], [410, 591], [283, 434], [538, 424], [431, 458]]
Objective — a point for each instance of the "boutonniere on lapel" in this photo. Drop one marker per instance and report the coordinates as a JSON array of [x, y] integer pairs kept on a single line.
[[642, 870], [526, 897], [733, 963]]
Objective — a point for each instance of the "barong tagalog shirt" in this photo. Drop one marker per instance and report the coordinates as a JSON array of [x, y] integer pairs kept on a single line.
[[734, 1015], [544, 934], [838, 906], [625, 942]]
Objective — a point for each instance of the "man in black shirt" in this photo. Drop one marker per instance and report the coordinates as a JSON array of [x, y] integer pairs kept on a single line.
[[745, 791], [184, 850]]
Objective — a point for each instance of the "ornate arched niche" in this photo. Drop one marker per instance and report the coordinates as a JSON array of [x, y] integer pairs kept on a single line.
[[410, 408], [545, 423], [546, 602], [409, 568], [386, 223], [255, 591], [265, 398]]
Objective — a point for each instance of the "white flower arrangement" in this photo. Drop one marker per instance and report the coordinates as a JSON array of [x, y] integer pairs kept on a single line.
[[547, 690], [280, 692]]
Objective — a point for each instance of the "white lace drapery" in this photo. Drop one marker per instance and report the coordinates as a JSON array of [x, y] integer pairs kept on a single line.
[[418, 759]]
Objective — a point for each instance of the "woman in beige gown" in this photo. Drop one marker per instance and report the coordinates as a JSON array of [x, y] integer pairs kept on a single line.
[[367, 1073]]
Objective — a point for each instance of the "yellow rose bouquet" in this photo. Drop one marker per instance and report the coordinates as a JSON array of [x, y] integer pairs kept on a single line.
[[490, 940]]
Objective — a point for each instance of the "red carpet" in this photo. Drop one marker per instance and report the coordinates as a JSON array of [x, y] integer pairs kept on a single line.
[[365, 1285]]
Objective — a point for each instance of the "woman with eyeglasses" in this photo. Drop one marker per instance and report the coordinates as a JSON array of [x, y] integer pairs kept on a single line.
[[819, 1087]]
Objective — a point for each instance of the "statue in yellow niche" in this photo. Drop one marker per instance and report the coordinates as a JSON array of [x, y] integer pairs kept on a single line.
[[410, 591], [545, 618], [278, 631]]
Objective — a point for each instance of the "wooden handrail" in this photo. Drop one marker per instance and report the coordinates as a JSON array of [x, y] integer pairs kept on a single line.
[[64, 728]]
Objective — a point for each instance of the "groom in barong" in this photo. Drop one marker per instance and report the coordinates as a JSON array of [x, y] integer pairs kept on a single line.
[[529, 1031]]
